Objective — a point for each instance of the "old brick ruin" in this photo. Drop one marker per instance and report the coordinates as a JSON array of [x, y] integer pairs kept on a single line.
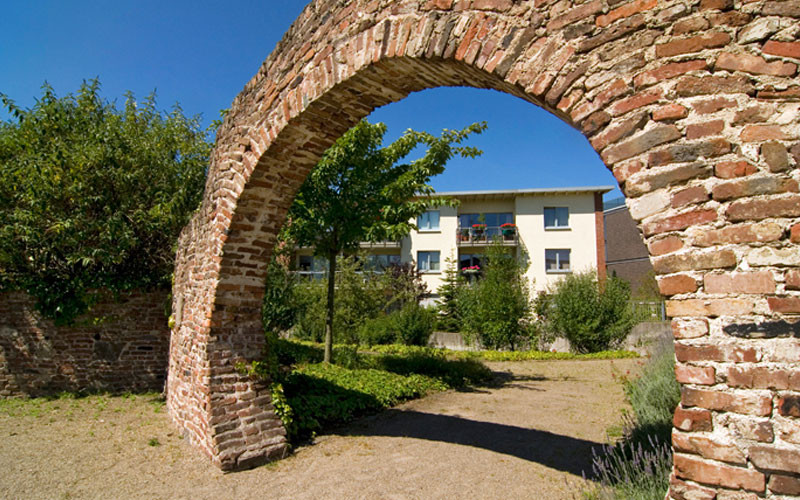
[[693, 104], [121, 346]]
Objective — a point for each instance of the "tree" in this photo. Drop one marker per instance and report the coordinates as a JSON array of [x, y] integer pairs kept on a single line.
[[592, 317], [360, 191], [496, 307], [93, 197], [449, 319]]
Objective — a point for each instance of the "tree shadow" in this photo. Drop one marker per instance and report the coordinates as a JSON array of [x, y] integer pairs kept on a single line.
[[559, 452]]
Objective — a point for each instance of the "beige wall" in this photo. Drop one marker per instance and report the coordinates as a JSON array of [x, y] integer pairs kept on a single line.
[[534, 238], [580, 237], [528, 211]]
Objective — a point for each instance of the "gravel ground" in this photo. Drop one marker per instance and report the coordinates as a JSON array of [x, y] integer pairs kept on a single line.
[[529, 437]]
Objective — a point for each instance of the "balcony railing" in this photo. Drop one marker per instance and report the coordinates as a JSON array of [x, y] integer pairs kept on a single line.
[[471, 236], [380, 244]]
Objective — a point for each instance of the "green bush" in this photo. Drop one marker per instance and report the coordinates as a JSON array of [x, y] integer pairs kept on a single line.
[[654, 396], [496, 308], [93, 197], [592, 317], [638, 467], [413, 324], [410, 325]]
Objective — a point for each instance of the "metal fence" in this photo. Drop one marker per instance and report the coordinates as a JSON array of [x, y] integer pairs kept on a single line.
[[649, 310]]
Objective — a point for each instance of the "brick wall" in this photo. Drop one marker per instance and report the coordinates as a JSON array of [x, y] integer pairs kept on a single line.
[[692, 104], [119, 347]]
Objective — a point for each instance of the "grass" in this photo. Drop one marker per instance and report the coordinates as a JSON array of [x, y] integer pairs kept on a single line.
[[67, 402]]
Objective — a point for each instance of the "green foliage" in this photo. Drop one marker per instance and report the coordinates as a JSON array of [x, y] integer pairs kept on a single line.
[[280, 306], [654, 395], [591, 317], [497, 307], [93, 197], [500, 355], [360, 191], [312, 397], [638, 467], [361, 296], [323, 395], [403, 285], [448, 318], [414, 324], [411, 325]]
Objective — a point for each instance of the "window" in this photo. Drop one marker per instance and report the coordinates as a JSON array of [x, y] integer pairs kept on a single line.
[[556, 261], [429, 221], [490, 219], [428, 261], [556, 217], [468, 260], [310, 263], [381, 262]]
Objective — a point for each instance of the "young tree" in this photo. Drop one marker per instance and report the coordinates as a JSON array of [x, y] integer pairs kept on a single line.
[[360, 191], [497, 306], [449, 319], [93, 197]]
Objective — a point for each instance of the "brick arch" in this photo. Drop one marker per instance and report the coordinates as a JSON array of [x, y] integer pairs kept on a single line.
[[693, 105]]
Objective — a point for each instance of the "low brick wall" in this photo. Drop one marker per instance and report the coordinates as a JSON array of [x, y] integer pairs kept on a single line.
[[120, 346]]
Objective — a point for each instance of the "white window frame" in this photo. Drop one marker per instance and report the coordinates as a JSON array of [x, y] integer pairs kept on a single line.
[[424, 264], [429, 228], [558, 269], [556, 227]]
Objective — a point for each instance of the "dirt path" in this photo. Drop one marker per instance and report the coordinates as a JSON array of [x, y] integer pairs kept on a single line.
[[528, 438]]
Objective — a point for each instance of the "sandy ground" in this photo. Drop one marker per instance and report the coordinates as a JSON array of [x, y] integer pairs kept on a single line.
[[528, 437]]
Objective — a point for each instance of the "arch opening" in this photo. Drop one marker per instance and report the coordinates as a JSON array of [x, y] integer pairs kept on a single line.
[[698, 124]]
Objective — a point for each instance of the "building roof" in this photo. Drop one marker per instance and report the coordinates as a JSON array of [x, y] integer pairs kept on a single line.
[[512, 193]]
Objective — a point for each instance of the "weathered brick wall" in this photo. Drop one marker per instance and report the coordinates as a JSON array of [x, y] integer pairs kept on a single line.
[[121, 346], [693, 104]]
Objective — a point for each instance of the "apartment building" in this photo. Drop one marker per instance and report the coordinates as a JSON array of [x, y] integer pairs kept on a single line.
[[555, 231]]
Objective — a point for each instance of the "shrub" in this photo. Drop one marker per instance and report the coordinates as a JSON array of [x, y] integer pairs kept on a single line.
[[93, 197], [496, 308], [592, 317], [413, 324], [654, 396], [639, 466]]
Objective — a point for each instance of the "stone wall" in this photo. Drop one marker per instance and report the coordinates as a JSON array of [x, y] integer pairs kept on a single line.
[[692, 104], [119, 347]]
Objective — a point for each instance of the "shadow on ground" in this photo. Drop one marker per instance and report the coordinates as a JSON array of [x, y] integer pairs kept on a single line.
[[563, 453]]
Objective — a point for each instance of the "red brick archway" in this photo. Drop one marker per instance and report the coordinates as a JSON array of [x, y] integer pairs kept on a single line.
[[693, 104]]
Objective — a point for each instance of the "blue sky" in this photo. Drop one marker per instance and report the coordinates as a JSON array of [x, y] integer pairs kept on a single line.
[[202, 53]]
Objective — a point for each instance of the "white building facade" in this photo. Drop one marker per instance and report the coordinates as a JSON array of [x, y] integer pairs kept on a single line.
[[554, 231]]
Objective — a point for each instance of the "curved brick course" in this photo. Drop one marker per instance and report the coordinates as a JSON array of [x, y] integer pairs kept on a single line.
[[693, 105]]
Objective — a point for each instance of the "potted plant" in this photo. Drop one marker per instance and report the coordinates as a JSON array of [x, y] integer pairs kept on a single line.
[[478, 231], [509, 230], [463, 234]]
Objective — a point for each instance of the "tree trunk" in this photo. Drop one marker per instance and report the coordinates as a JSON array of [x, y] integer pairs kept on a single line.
[[328, 357]]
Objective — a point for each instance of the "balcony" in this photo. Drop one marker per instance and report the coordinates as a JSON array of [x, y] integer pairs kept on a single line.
[[477, 236], [379, 244]]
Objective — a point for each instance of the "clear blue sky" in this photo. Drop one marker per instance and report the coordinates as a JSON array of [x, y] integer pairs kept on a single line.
[[201, 54]]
